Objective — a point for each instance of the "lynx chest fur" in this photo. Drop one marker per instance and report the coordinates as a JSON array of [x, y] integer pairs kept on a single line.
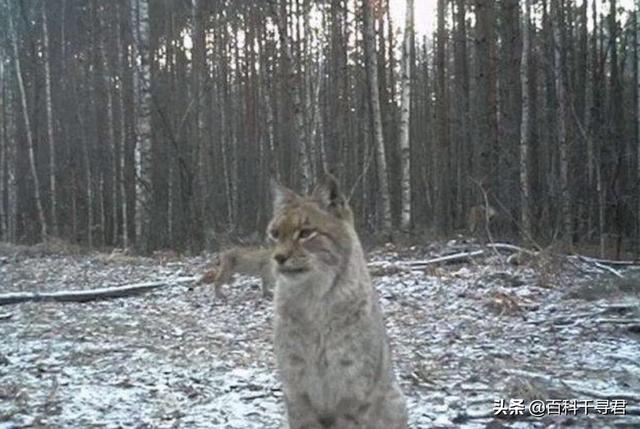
[[331, 346]]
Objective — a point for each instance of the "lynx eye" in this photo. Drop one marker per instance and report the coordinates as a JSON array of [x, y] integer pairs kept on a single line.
[[305, 233], [273, 234]]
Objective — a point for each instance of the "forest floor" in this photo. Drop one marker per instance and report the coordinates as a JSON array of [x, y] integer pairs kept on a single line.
[[464, 336]]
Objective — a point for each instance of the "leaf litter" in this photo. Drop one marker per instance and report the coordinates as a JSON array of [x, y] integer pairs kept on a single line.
[[463, 335]]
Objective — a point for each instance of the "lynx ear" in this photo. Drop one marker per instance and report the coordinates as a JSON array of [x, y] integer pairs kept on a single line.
[[281, 195], [327, 194]]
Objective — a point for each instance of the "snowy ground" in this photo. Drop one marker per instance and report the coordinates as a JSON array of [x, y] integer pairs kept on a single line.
[[464, 336]]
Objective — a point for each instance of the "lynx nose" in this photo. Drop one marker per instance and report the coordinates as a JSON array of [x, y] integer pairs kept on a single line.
[[280, 258]]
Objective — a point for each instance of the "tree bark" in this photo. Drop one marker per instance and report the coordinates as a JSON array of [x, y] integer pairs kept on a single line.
[[525, 127], [4, 142], [142, 70], [461, 71], [374, 99], [442, 168], [486, 103], [637, 82], [50, 126], [405, 149], [123, 133], [199, 66], [112, 181], [294, 85], [27, 124], [561, 114]]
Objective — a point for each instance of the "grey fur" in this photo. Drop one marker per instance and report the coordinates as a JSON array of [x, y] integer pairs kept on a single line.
[[331, 346]]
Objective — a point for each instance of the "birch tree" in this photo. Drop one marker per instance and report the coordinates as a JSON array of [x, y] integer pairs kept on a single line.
[[405, 149], [294, 85], [374, 100], [142, 77]]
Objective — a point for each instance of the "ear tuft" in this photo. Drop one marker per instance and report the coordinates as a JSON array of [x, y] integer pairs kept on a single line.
[[281, 195], [327, 193]]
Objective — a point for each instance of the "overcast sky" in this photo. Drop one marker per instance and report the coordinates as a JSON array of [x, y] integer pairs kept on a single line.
[[425, 13]]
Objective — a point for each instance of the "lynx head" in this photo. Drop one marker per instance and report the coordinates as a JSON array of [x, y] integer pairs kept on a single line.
[[311, 233]]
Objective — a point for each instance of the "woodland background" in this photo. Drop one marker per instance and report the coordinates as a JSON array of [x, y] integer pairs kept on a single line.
[[157, 123]]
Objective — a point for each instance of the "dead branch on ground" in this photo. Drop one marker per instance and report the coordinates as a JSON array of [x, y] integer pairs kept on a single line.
[[92, 294]]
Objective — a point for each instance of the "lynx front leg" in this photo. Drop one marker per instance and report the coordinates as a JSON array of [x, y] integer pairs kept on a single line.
[[389, 411], [301, 415], [218, 292], [267, 287]]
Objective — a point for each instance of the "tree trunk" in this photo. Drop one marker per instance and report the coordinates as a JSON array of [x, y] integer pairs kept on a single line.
[[142, 69], [122, 156], [294, 86], [509, 104], [374, 99], [199, 66], [405, 149], [525, 127], [442, 169], [86, 159], [461, 71], [50, 130], [4, 143], [636, 39], [27, 125], [112, 181], [561, 114], [486, 103]]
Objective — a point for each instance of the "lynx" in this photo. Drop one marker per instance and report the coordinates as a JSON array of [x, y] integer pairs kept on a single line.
[[253, 261], [479, 216], [331, 346]]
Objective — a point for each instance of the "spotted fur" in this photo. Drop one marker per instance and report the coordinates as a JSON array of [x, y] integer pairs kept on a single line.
[[331, 347]]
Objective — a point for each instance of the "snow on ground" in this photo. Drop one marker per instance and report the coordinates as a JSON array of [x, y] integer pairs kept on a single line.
[[463, 335]]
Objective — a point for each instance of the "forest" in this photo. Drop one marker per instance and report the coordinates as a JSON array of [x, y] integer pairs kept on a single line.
[[158, 124], [490, 151]]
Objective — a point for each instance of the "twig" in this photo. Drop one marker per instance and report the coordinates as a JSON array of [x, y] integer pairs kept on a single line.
[[92, 294], [485, 198], [608, 268], [424, 263], [446, 258], [511, 247]]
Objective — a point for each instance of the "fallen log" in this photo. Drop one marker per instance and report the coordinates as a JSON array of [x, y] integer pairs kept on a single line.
[[92, 294], [6, 316]]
